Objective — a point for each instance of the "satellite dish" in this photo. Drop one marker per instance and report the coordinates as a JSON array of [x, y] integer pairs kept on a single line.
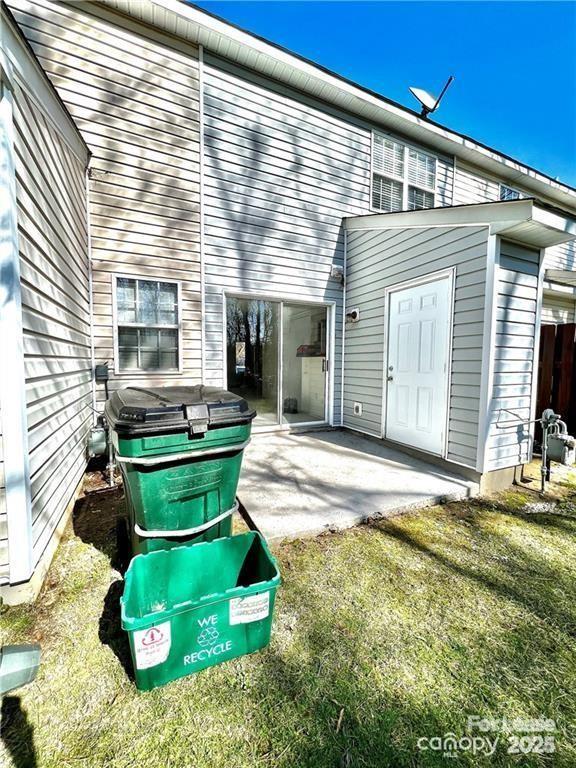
[[429, 103]]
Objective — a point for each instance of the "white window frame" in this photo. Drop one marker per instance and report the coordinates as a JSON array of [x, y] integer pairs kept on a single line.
[[149, 371], [400, 179], [502, 186]]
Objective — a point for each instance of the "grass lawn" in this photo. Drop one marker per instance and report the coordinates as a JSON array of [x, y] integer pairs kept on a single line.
[[383, 634]]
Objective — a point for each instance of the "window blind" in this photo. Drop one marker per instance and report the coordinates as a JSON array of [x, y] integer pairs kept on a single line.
[[421, 169], [388, 157], [386, 194]]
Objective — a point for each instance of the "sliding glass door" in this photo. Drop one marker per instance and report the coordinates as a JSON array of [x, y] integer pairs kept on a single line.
[[252, 354], [303, 363], [276, 358]]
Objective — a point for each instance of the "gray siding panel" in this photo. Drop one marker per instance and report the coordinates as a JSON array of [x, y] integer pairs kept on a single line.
[[514, 355], [379, 259], [135, 98], [52, 230]]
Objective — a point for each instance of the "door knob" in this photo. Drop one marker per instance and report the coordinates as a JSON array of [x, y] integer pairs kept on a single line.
[[389, 378]]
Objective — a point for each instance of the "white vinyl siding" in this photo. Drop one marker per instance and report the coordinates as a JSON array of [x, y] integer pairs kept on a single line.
[[403, 178], [471, 187], [561, 256], [281, 170], [378, 259], [517, 297], [558, 309], [53, 241], [280, 174], [4, 559], [135, 97]]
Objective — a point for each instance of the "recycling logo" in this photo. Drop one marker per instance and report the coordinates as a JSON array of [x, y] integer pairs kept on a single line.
[[208, 636]]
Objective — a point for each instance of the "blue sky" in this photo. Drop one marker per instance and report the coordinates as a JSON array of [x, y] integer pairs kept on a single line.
[[514, 62]]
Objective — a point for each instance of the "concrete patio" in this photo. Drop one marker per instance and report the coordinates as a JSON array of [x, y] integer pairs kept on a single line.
[[302, 484]]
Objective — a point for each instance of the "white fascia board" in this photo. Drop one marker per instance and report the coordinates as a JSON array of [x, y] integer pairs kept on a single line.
[[483, 214], [18, 64], [555, 221], [12, 381], [503, 218], [189, 23]]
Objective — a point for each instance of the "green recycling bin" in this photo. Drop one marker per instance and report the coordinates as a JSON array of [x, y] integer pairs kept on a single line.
[[190, 608], [180, 452]]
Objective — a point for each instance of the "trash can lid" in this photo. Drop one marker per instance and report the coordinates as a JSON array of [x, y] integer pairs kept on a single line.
[[140, 410]]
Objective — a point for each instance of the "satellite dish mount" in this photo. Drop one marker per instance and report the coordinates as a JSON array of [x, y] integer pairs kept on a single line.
[[428, 102]]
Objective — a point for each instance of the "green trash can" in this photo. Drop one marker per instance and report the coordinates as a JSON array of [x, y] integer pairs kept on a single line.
[[190, 608], [180, 452]]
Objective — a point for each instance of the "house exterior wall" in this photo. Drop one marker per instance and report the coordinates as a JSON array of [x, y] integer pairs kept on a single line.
[[134, 95], [281, 170], [44, 165], [4, 559], [53, 240], [514, 352], [377, 259]]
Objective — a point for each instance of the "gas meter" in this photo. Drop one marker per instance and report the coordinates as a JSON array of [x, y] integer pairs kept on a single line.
[[560, 446]]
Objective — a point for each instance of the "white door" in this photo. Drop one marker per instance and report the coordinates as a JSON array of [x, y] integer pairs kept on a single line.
[[417, 370]]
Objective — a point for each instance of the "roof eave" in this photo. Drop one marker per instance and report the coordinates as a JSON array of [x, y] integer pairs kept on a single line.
[[520, 220], [221, 37]]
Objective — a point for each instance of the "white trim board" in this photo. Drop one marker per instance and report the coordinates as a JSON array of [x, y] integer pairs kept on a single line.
[[202, 217], [12, 379], [488, 342]]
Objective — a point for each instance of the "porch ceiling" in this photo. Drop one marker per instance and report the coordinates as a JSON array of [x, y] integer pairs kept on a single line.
[[296, 485], [522, 220]]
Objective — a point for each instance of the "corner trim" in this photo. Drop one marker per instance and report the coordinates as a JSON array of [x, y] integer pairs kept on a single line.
[[12, 385], [202, 216], [488, 341]]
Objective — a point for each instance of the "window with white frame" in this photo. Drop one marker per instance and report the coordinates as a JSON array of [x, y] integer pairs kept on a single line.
[[147, 318], [509, 193], [403, 178]]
